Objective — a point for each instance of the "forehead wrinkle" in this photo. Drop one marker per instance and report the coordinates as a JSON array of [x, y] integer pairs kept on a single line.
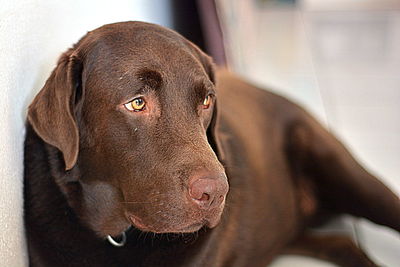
[[174, 57], [150, 79], [160, 46], [147, 67]]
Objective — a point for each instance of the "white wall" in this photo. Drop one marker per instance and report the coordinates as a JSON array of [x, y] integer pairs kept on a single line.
[[33, 33]]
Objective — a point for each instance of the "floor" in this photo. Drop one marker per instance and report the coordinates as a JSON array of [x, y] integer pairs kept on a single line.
[[342, 63]]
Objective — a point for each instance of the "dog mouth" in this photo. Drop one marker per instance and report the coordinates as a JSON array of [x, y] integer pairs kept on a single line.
[[187, 228], [135, 223], [121, 239], [190, 221]]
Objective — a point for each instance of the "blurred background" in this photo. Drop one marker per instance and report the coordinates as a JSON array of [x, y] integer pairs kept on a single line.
[[340, 59]]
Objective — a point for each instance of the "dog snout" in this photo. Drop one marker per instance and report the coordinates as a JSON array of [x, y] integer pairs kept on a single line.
[[208, 192]]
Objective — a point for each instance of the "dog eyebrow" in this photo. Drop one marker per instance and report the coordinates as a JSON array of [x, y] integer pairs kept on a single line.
[[201, 89], [150, 78]]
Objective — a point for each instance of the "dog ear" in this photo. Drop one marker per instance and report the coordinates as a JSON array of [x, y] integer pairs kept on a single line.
[[213, 131], [214, 134], [51, 113]]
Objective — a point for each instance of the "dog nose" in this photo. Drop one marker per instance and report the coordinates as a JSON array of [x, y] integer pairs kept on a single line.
[[208, 193]]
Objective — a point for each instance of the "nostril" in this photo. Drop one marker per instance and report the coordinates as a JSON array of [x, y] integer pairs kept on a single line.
[[204, 197], [203, 192], [202, 189], [208, 191]]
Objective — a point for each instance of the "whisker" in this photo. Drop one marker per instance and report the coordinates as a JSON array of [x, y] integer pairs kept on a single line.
[[138, 202]]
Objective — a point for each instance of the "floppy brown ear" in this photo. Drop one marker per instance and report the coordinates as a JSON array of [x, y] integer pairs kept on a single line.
[[51, 113], [214, 134], [214, 131]]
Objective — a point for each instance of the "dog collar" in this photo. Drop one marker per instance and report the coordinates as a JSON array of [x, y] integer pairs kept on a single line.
[[116, 243]]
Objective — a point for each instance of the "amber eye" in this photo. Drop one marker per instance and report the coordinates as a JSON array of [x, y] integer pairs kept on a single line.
[[207, 102], [137, 104]]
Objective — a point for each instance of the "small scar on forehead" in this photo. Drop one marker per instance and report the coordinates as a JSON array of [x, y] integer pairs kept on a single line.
[[150, 78]]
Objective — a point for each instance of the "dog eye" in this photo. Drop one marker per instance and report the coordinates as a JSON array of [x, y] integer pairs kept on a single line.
[[137, 104], [207, 102]]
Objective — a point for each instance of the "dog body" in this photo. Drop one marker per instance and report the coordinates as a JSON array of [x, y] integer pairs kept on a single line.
[[136, 128]]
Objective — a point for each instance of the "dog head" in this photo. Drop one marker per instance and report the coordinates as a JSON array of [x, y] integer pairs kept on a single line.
[[132, 109]]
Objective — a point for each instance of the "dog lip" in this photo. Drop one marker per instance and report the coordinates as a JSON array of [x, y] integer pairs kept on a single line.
[[138, 223], [212, 223], [192, 228]]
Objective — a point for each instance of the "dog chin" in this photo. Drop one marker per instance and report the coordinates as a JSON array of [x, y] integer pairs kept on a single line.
[[210, 221], [191, 228], [163, 230]]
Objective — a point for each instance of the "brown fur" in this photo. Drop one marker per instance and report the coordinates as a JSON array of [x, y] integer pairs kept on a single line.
[[93, 168]]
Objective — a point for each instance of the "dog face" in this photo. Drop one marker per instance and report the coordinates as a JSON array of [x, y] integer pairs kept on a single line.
[[132, 108]]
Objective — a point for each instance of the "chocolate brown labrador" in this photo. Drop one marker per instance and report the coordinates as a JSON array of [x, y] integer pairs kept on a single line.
[[132, 144]]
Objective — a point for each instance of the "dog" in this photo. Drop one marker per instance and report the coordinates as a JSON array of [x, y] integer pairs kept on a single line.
[[140, 152]]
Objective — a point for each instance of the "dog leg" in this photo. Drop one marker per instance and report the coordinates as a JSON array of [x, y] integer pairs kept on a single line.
[[340, 183], [340, 250]]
